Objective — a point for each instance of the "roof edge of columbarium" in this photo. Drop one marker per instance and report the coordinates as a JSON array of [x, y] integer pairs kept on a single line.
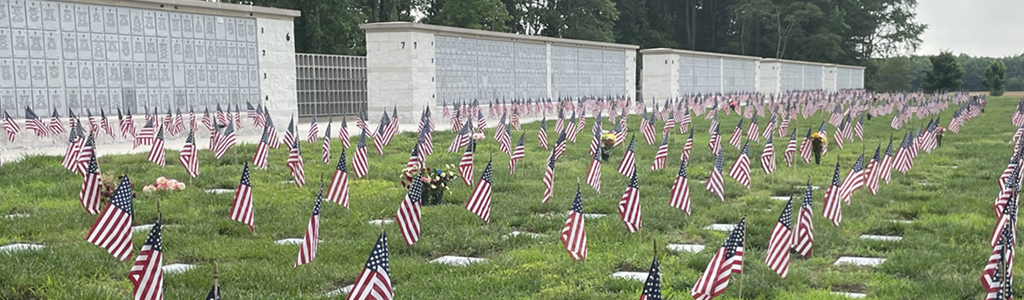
[[483, 34], [203, 7], [656, 51]]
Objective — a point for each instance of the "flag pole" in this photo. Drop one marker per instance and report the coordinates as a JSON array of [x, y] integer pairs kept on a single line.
[[744, 246], [216, 283]]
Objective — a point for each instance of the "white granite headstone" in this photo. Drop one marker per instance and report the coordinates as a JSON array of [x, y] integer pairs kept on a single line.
[[860, 261], [721, 227], [692, 248], [526, 234], [379, 222], [338, 292], [887, 238], [177, 268], [593, 216], [18, 247], [290, 241], [638, 276], [220, 191], [849, 295], [452, 260]]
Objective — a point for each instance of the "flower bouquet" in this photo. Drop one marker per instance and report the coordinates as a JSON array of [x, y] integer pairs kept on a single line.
[[435, 181], [818, 142], [162, 183], [607, 144]]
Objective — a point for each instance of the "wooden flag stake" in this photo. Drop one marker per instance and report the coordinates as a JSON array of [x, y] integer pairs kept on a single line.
[[159, 215], [216, 283]]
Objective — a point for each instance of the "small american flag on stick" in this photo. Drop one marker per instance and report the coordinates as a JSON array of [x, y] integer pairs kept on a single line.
[[727, 260], [147, 273], [374, 282], [574, 233], [113, 229], [408, 215], [312, 238], [480, 201], [337, 191], [241, 207], [629, 205]]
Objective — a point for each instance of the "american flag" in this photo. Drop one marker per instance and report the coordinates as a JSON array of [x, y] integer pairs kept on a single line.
[[628, 163], [145, 136], [517, 154], [781, 241], [415, 160], [179, 123], [504, 139], [221, 117], [32, 122], [805, 147], [156, 153], [903, 161], [262, 149], [238, 117], [456, 120], [1006, 210], [837, 115], [661, 156], [833, 200], [670, 124], [874, 171], [559, 121], [462, 138], [854, 180], [86, 149], [715, 142], [996, 278], [312, 238], [753, 130], [768, 156], [226, 140], [790, 149], [466, 164], [727, 260], [189, 156], [425, 140], [337, 191], [574, 233], [848, 128], [480, 201], [10, 126], [715, 182], [687, 147], [714, 122], [784, 127], [741, 168], [560, 144], [596, 132], [652, 286], [803, 237], [542, 134], [838, 137], [737, 134], [579, 126], [549, 179], [594, 172], [680, 192], [359, 165], [71, 153], [570, 128], [113, 229], [408, 215], [326, 147], [629, 205], [206, 120], [768, 130], [444, 109], [147, 273], [620, 130], [392, 129], [824, 133], [684, 122], [380, 136], [887, 163], [295, 164], [480, 121], [515, 119], [241, 207], [858, 129], [343, 133], [314, 130], [250, 112], [89, 196], [647, 129], [374, 282], [289, 135], [56, 125], [94, 126]]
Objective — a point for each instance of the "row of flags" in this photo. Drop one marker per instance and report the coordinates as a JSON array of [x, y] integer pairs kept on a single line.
[[109, 232]]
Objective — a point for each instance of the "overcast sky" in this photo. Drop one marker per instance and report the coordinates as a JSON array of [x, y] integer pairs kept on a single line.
[[976, 27]]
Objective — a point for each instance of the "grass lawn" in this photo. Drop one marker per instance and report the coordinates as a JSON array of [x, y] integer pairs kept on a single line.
[[940, 257]]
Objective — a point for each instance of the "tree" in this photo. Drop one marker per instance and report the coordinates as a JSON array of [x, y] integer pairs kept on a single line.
[[946, 73], [894, 75], [581, 19], [994, 78], [473, 14]]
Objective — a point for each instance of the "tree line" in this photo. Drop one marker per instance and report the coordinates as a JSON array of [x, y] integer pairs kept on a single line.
[[908, 73], [870, 33]]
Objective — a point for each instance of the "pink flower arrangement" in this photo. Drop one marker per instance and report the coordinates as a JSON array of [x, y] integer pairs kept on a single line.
[[162, 183]]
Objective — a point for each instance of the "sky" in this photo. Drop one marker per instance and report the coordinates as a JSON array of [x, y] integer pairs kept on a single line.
[[976, 27]]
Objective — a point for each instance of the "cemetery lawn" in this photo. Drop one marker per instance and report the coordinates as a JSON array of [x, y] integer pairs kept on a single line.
[[941, 255]]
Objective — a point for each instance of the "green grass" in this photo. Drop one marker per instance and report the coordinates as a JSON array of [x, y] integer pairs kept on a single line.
[[940, 257]]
